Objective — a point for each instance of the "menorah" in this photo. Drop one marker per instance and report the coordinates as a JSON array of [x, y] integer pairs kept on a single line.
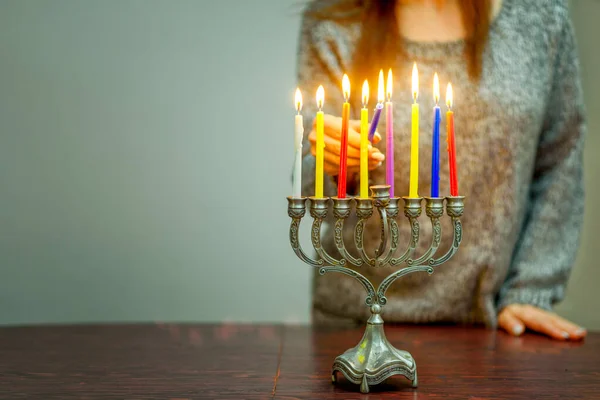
[[374, 359]]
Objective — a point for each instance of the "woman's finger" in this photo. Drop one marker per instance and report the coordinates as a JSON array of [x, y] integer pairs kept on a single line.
[[334, 169], [353, 163], [333, 129], [333, 146], [335, 132], [374, 164], [511, 324], [331, 169], [334, 159], [575, 332], [540, 321], [355, 124]]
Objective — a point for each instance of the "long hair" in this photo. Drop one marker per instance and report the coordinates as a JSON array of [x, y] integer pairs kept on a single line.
[[380, 39]]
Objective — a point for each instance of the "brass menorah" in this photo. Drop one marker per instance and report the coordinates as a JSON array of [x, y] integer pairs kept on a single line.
[[374, 359]]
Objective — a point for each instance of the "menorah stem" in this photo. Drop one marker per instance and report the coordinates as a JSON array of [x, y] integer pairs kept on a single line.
[[392, 213], [384, 235], [381, 198]]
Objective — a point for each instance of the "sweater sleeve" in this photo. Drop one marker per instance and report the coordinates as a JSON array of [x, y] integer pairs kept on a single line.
[[549, 238], [322, 60]]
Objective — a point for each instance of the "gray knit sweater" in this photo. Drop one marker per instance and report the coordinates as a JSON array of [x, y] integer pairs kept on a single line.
[[519, 138]]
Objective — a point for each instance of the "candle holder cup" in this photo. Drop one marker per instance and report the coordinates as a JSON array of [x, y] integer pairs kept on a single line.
[[374, 359]]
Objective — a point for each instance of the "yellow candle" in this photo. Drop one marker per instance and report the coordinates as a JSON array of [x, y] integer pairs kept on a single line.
[[414, 145], [320, 143], [364, 143]]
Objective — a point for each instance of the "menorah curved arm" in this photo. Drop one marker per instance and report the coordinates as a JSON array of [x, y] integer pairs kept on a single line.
[[385, 284], [454, 208], [341, 211], [316, 242], [294, 228], [339, 244], [434, 209], [371, 296], [412, 211], [296, 210], [455, 244]]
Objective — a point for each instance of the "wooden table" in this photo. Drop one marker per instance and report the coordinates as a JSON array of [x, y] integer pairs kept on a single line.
[[175, 361]]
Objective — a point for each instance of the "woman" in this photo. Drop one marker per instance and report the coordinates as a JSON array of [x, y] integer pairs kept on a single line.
[[519, 134]]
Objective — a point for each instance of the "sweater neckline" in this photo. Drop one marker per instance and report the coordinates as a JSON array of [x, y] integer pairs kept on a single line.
[[443, 49]]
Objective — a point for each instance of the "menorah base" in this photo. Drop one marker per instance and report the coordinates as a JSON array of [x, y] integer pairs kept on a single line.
[[374, 359]]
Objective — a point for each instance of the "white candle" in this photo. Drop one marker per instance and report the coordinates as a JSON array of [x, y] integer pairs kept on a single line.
[[298, 133]]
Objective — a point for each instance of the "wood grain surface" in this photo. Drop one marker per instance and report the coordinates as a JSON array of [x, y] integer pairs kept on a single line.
[[180, 361]]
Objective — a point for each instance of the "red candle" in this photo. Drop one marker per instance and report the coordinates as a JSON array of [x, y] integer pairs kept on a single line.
[[344, 141], [451, 143]]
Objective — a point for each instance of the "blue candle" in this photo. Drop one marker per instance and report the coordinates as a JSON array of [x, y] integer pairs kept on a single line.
[[435, 156], [378, 108]]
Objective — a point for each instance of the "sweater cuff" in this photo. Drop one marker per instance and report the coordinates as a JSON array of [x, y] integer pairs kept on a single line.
[[542, 298]]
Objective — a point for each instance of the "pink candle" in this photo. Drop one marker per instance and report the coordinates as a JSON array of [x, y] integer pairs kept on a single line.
[[389, 171]]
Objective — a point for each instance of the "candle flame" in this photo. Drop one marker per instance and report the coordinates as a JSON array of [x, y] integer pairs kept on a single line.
[[380, 88], [346, 87], [365, 93], [449, 95], [298, 100], [436, 88], [388, 87], [415, 82], [320, 97]]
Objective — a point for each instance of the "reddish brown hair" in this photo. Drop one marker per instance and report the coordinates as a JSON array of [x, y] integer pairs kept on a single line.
[[380, 42]]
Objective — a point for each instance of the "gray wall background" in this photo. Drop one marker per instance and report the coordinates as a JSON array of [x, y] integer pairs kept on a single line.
[[143, 162]]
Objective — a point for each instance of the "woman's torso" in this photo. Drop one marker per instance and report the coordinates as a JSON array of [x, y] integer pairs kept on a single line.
[[497, 126]]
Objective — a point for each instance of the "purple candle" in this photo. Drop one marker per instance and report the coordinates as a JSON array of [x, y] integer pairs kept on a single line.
[[378, 108], [375, 121]]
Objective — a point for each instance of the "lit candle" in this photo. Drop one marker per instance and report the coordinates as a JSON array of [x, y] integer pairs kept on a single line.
[[320, 127], [344, 141], [364, 143], [389, 135], [451, 143], [435, 156], [378, 107], [414, 145], [298, 132]]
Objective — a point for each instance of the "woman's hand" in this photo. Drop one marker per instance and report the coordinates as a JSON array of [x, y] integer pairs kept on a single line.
[[515, 318], [331, 155]]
